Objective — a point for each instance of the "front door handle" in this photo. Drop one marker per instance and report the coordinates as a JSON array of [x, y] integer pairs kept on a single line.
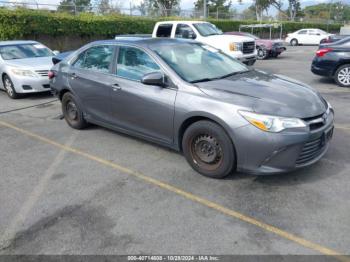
[[116, 87]]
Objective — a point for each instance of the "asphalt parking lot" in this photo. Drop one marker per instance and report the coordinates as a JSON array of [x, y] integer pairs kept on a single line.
[[96, 191]]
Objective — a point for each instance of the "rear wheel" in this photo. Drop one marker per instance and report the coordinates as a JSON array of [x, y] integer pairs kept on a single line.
[[72, 113], [342, 75], [208, 149], [9, 87], [294, 42]]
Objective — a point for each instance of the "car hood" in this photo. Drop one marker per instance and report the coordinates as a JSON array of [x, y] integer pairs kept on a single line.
[[37, 63], [228, 38], [267, 94]]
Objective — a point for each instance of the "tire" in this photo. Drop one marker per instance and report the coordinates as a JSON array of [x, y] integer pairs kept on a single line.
[[72, 113], [250, 62], [208, 149], [262, 54], [342, 76], [294, 42], [9, 87]]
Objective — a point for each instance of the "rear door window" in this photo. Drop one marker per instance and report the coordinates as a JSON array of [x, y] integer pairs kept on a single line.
[[302, 32], [184, 31], [164, 30], [97, 58]]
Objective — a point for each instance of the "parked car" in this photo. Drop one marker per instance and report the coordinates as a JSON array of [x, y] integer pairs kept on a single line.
[[239, 47], [333, 38], [59, 57], [265, 47], [24, 67], [307, 37], [191, 97], [333, 60]]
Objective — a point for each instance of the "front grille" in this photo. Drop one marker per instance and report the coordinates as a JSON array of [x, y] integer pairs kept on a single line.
[[42, 72], [248, 47], [311, 150], [316, 121]]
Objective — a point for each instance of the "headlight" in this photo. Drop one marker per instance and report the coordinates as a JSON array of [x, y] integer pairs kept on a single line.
[[235, 46], [272, 123], [22, 72]]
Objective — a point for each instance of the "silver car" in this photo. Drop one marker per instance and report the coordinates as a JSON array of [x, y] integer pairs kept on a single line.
[[24, 67], [192, 98]]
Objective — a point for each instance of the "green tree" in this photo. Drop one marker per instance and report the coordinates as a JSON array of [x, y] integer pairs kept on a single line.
[[166, 7], [335, 11], [73, 6], [249, 13], [214, 6], [104, 7], [294, 9]]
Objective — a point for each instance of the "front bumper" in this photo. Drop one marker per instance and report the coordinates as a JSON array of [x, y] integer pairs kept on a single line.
[[30, 84], [260, 152], [243, 57]]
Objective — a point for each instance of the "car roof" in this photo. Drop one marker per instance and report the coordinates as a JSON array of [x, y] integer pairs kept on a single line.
[[145, 42], [181, 21], [17, 42]]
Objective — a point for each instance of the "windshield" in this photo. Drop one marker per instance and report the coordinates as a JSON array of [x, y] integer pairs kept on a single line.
[[322, 32], [206, 29], [195, 62], [10, 52]]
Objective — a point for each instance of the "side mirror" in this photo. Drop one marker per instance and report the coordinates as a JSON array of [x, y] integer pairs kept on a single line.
[[55, 52], [155, 79]]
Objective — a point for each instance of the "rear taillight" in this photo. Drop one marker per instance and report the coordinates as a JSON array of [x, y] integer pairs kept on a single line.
[[51, 74], [323, 51]]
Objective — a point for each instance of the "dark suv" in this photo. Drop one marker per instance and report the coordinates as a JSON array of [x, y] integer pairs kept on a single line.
[[333, 60]]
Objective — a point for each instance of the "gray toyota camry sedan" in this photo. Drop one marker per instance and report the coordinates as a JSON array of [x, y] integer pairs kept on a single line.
[[191, 97]]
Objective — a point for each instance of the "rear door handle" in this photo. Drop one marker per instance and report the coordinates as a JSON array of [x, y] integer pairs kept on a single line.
[[116, 87]]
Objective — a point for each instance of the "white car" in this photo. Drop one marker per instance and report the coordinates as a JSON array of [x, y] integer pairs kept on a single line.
[[306, 37], [24, 67], [240, 47]]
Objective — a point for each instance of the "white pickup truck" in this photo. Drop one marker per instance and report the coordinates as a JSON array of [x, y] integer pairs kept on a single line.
[[239, 47]]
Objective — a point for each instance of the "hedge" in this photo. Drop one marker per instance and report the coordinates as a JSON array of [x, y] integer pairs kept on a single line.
[[16, 24]]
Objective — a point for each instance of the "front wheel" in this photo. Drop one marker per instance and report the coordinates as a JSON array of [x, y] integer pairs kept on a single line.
[[208, 149], [9, 87], [262, 53], [294, 42], [342, 76], [72, 113]]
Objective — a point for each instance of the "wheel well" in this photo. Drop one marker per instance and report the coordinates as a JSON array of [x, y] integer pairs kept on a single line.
[[3, 75], [189, 122], [62, 92], [337, 67]]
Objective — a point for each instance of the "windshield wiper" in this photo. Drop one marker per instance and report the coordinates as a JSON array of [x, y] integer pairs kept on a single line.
[[220, 77], [203, 80], [232, 74]]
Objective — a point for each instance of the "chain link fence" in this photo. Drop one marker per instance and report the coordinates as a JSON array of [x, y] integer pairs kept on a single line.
[[111, 8]]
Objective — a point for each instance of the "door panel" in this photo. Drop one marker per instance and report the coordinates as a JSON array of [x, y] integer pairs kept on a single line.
[[145, 109], [94, 92], [90, 79]]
